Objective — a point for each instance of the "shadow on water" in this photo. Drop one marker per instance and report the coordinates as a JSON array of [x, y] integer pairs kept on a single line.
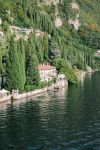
[[65, 120]]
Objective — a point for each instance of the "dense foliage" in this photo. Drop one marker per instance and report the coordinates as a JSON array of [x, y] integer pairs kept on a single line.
[[14, 70], [64, 47], [32, 74]]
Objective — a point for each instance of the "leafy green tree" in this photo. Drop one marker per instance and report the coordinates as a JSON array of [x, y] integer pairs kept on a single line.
[[5, 25], [64, 67]]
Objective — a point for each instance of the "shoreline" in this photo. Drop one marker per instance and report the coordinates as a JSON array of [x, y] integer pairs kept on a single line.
[[61, 84], [81, 74], [13, 97], [29, 94]]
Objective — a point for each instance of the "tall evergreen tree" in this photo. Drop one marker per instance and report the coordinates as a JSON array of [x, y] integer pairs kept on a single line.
[[32, 73], [21, 53], [45, 46], [13, 74], [39, 51], [0, 60], [54, 50]]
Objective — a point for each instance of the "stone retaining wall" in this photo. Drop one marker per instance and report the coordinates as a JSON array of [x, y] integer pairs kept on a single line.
[[5, 98], [33, 93], [28, 94]]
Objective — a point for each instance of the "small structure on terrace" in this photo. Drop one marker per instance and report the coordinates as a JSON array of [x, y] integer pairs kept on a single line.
[[3, 93], [61, 80]]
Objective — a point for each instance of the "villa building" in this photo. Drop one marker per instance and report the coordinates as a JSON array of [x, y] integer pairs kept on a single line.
[[47, 72]]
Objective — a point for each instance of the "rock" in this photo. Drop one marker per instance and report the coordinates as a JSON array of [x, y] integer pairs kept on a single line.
[[75, 23], [89, 69], [49, 2], [1, 35], [58, 22], [75, 5]]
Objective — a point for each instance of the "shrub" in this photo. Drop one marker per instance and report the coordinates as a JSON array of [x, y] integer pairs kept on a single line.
[[42, 84], [79, 65], [30, 88], [50, 82]]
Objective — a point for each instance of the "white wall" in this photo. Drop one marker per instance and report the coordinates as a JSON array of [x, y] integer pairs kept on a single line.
[[47, 75]]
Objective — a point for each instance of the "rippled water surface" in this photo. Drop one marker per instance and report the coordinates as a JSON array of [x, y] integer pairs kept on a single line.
[[64, 120]]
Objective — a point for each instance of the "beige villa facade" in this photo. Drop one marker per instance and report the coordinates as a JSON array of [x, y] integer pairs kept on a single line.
[[47, 72]]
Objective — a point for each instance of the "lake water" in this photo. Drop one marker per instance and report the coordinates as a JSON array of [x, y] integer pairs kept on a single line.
[[64, 120]]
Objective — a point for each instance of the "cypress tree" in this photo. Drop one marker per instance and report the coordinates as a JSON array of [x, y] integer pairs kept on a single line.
[[13, 74], [1, 70], [54, 50], [32, 73], [39, 51], [0, 60], [21, 53], [45, 47]]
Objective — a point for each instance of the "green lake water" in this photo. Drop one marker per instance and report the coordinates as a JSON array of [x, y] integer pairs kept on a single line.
[[64, 120]]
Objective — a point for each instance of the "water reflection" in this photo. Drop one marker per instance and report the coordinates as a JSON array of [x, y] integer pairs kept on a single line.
[[4, 105], [64, 120]]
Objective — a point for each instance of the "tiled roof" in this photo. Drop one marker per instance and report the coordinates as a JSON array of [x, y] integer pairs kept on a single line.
[[46, 67]]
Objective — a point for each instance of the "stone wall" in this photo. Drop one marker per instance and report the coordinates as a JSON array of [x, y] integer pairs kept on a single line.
[[28, 94], [5, 98]]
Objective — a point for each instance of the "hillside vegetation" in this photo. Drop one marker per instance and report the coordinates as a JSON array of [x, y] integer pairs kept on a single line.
[[64, 33]]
